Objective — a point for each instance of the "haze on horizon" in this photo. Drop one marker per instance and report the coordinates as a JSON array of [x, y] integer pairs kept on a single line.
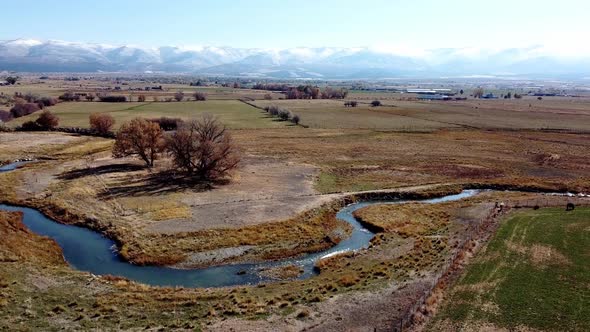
[[400, 27]]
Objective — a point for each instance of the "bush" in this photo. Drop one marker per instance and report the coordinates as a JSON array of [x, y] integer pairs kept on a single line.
[[101, 123], [30, 126], [47, 120], [141, 98], [268, 96], [200, 96], [5, 116], [31, 97], [179, 96], [24, 109], [168, 124], [295, 119], [376, 103], [48, 101], [351, 104], [273, 110], [284, 114], [112, 99], [90, 97], [69, 96]]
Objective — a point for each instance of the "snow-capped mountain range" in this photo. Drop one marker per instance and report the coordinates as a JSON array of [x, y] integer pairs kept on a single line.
[[29, 55]]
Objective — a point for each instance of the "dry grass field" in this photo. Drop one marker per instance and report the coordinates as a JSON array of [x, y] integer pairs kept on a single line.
[[281, 202]]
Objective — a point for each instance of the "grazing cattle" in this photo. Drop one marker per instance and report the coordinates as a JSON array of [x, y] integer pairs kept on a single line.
[[570, 207]]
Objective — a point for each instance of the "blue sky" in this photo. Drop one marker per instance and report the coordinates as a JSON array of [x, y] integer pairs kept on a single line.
[[409, 25]]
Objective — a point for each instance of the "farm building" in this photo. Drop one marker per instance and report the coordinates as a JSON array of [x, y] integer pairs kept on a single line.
[[434, 97]]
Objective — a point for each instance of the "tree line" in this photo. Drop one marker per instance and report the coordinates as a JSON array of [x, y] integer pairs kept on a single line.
[[303, 91]]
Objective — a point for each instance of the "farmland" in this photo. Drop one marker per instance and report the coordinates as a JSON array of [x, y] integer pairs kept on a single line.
[[530, 275], [282, 202], [233, 113]]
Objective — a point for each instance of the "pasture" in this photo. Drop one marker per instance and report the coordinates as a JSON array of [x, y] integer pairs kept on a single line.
[[233, 113], [533, 274]]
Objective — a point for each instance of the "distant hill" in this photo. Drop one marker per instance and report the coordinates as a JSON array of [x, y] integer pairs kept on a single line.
[[29, 55]]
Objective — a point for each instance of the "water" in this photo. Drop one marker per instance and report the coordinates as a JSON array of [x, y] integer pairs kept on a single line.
[[89, 251], [12, 166]]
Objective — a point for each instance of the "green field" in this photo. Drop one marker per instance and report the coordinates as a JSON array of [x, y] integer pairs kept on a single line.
[[534, 273], [232, 113]]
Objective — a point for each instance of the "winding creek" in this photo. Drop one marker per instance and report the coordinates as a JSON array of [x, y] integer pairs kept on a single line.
[[87, 250]]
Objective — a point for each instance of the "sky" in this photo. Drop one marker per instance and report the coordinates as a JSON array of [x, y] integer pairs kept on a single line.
[[402, 26]]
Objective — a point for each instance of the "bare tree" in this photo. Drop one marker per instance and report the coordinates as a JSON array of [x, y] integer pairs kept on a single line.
[[101, 122], [141, 98], [179, 96], [199, 96], [139, 137], [478, 93], [203, 148]]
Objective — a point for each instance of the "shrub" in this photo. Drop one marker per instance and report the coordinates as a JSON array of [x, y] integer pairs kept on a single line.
[[48, 101], [69, 96], [376, 103], [141, 98], [284, 114], [351, 103], [168, 124], [5, 116], [31, 97], [273, 110], [200, 96], [47, 120], [112, 99], [268, 96], [101, 123], [295, 119], [24, 109], [179, 96], [30, 126], [90, 97]]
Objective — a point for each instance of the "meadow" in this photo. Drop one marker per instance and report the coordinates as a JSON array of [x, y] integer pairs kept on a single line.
[[533, 274], [234, 114]]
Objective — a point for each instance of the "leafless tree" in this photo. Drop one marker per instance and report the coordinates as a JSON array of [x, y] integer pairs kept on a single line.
[[200, 96], [179, 96], [203, 148]]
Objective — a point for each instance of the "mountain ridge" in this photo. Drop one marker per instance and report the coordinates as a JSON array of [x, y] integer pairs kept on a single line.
[[298, 62]]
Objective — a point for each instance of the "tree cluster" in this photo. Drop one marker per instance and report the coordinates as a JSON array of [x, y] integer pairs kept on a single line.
[[45, 121], [69, 96], [112, 99], [168, 124], [202, 148], [282, 113]]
